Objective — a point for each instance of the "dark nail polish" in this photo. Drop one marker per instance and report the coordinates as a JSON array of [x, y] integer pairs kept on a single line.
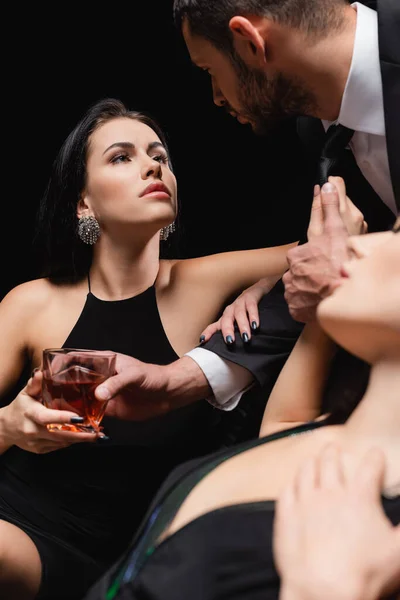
[[229, 339], [254, 325], [103, 439], [202, 339], [76, 420], [245, 338]]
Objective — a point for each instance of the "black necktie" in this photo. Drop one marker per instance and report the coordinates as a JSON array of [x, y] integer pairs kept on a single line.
[[336, 140]]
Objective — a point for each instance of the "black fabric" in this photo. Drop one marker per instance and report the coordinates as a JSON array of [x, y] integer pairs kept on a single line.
[[225, 553], [389, 50], [264, 356], [270, 345], [312, 134], [336, 140], [81, 505]]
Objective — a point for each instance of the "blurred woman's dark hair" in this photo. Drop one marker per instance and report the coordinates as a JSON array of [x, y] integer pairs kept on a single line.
[[58, 251], [342, 395]]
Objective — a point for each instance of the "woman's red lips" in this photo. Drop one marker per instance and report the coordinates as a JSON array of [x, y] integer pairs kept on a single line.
[[156, 188]]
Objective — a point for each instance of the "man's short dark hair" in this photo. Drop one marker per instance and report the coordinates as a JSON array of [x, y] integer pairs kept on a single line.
[[210, 18]]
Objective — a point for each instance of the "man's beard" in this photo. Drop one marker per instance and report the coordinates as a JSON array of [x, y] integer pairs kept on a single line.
[[266, 102]]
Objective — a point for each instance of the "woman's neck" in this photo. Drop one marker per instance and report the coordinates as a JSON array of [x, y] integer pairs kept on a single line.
[[379, 410], [119, 272], [376, 420]]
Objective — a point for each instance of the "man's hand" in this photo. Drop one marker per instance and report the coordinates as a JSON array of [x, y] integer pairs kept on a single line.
[[314, 268], [142, 391], [332, 539]]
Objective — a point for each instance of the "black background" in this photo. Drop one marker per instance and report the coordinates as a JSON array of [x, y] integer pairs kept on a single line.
[[236, 190]]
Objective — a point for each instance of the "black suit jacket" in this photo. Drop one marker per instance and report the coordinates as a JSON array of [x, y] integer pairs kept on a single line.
[[267, 352], [312, 133], [389, 54]]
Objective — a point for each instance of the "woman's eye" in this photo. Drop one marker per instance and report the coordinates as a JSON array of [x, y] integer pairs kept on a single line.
[[161, 158], [120, 158]]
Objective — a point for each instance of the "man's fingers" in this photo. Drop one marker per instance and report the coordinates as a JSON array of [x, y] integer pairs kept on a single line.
[[285, 511], [370, 474], [333, 221], [339, 184], [316, 225], [113, 385], [331, 473], [307, 478]]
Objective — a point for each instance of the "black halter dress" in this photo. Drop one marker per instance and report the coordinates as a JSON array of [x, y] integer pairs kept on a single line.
[[226, 553], [82, 505]]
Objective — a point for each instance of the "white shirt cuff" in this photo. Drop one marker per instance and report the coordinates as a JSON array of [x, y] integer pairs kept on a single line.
[[227, 380]]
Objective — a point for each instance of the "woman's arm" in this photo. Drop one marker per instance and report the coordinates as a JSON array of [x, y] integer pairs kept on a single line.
[[16, 315], [235, 271], [23, 422], [297, 395], [192, 293], [16, 318]]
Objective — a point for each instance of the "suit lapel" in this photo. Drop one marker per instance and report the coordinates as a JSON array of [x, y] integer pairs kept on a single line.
[[389, 51], [369, 3]]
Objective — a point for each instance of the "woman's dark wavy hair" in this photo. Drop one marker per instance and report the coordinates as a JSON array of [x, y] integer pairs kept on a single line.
[[61, 254], [346, 385]]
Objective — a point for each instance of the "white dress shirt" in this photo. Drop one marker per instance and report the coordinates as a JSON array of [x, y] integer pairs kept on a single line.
[[362, 107], [361, 110]]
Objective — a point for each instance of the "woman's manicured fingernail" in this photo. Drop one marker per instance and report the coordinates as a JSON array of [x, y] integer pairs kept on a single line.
[[103, 439], [245, 338], [254, 325], [202, 339], [229, 340], [76, 420]]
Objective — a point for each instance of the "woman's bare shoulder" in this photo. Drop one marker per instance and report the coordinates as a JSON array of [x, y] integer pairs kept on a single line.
[[32, 292], [33, 296], [182, 269], [167, 272]]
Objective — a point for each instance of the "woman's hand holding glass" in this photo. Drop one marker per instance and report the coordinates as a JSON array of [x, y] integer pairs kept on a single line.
[[24, 421]]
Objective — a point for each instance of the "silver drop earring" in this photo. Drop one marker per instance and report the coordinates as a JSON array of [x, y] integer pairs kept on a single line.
[[89, 230], [166, 231]]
